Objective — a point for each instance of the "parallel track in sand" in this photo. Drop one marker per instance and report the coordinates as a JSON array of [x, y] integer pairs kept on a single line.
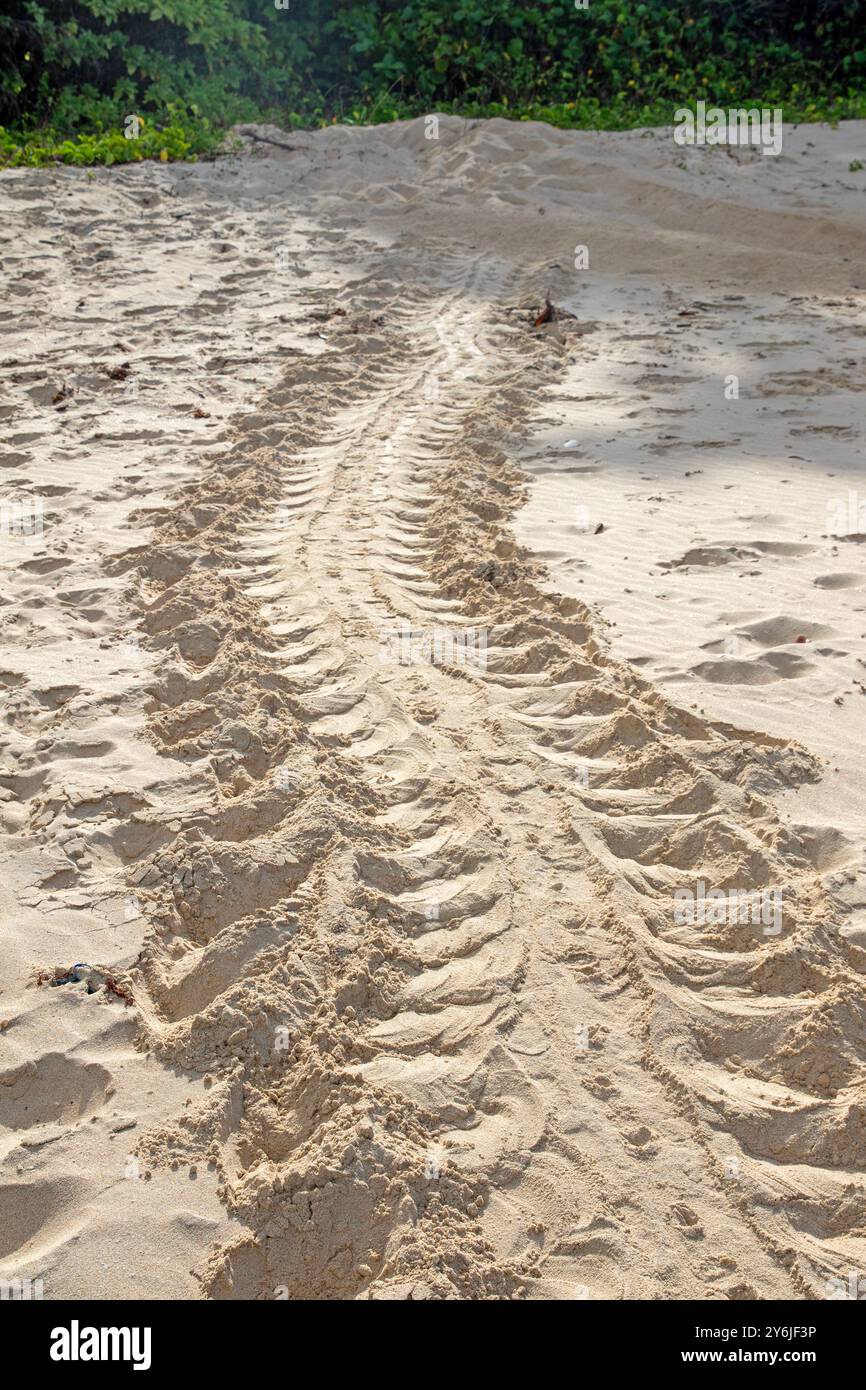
[[417, 922]]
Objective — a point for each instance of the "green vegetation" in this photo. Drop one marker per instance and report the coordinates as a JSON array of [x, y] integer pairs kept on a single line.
[[73, 71], [183, 140]]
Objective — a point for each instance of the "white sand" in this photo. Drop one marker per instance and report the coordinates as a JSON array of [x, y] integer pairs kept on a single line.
[[411, 1013]]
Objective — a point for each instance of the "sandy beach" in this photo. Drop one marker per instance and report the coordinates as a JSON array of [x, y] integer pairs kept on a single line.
[[388, 682]]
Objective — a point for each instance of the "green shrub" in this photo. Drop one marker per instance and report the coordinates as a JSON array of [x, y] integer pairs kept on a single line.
[[171, 142], [84, 65]]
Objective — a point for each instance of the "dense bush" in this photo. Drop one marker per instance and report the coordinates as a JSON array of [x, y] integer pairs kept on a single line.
[[83, 64]]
